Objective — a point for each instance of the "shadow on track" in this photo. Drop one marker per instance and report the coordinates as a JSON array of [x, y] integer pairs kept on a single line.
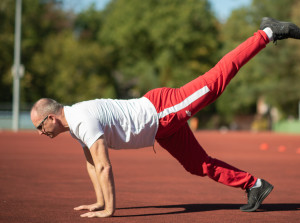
[[190, 208]]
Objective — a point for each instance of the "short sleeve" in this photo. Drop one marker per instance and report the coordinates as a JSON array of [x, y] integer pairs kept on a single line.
[[89, 131]]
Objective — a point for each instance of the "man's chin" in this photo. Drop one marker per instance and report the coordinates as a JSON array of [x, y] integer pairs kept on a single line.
[[51, 135]]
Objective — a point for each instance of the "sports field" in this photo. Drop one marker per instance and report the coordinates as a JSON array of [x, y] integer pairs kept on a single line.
[[42, 180]]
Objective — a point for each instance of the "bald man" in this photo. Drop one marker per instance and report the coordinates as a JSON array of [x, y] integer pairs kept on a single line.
[[160, 115]]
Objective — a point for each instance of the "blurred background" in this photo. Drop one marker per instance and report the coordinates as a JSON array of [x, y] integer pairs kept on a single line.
[[74, 50]]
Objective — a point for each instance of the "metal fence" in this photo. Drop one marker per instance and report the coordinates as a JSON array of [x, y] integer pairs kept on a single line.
[[6, 116]]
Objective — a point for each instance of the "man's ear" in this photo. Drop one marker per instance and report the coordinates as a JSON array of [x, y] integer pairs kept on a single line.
[[52, 118]]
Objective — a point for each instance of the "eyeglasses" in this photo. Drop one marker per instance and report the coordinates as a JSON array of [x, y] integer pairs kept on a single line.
[[40, 126]]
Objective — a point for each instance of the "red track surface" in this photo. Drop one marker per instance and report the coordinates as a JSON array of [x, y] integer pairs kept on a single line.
[[41, 180]]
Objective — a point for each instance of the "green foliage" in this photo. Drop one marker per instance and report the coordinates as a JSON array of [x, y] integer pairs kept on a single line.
[[88, 23], [161, 43], [6, 47], [78, 75], [40, 19], [272, 73]]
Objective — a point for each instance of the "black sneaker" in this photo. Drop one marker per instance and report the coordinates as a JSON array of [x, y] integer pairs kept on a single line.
[[256, 196], [281, 30]]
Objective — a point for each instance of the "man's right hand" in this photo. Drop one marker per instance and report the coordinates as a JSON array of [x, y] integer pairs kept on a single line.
[[90, 207]]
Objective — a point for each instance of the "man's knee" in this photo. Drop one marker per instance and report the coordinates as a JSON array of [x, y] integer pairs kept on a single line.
[[195, 169], [201, 168]]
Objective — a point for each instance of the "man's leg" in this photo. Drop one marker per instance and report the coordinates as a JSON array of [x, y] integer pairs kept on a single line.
[[185, 148], [217, 79], [176, 106]]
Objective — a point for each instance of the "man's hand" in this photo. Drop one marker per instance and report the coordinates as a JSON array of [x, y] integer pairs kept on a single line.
[[97, 214], [90, 207]]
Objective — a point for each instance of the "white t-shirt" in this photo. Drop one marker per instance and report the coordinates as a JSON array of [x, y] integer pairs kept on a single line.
[[124, 123]]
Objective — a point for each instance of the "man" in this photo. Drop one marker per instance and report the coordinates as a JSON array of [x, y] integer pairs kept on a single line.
[[161, 114]]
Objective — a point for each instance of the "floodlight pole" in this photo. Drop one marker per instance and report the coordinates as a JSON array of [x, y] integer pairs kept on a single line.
[[16, 69], [299, 111]]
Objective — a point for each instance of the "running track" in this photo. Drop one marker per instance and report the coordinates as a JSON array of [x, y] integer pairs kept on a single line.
[[41, 180]]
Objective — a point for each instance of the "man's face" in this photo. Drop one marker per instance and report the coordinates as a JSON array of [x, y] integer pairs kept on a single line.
[[46, 125]]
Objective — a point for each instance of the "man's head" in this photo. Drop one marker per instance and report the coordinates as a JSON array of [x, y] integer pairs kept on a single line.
[[46, 115]]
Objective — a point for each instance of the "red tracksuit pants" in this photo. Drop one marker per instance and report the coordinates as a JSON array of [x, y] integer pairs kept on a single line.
[[176, 106]]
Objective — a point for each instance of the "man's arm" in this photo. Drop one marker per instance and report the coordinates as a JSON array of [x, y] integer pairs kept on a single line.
[[92, 173], [104, 174]]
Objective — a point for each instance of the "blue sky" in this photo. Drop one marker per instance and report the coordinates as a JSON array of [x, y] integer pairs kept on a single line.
[[222, 8]]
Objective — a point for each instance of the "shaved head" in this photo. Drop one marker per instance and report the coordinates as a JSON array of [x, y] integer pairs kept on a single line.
[[47, 115], [44, 107]]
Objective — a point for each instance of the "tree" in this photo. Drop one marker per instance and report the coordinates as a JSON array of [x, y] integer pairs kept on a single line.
[[88, 23], [73, 71], [271, 73], [39, 20], [159, 43], [6, 48]]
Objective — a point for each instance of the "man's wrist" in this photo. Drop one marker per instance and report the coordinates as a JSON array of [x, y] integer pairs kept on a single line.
[[100, 203]]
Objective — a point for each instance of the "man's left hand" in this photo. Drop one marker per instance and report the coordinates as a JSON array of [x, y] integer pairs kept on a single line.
[[97, 214], [90, 207]]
